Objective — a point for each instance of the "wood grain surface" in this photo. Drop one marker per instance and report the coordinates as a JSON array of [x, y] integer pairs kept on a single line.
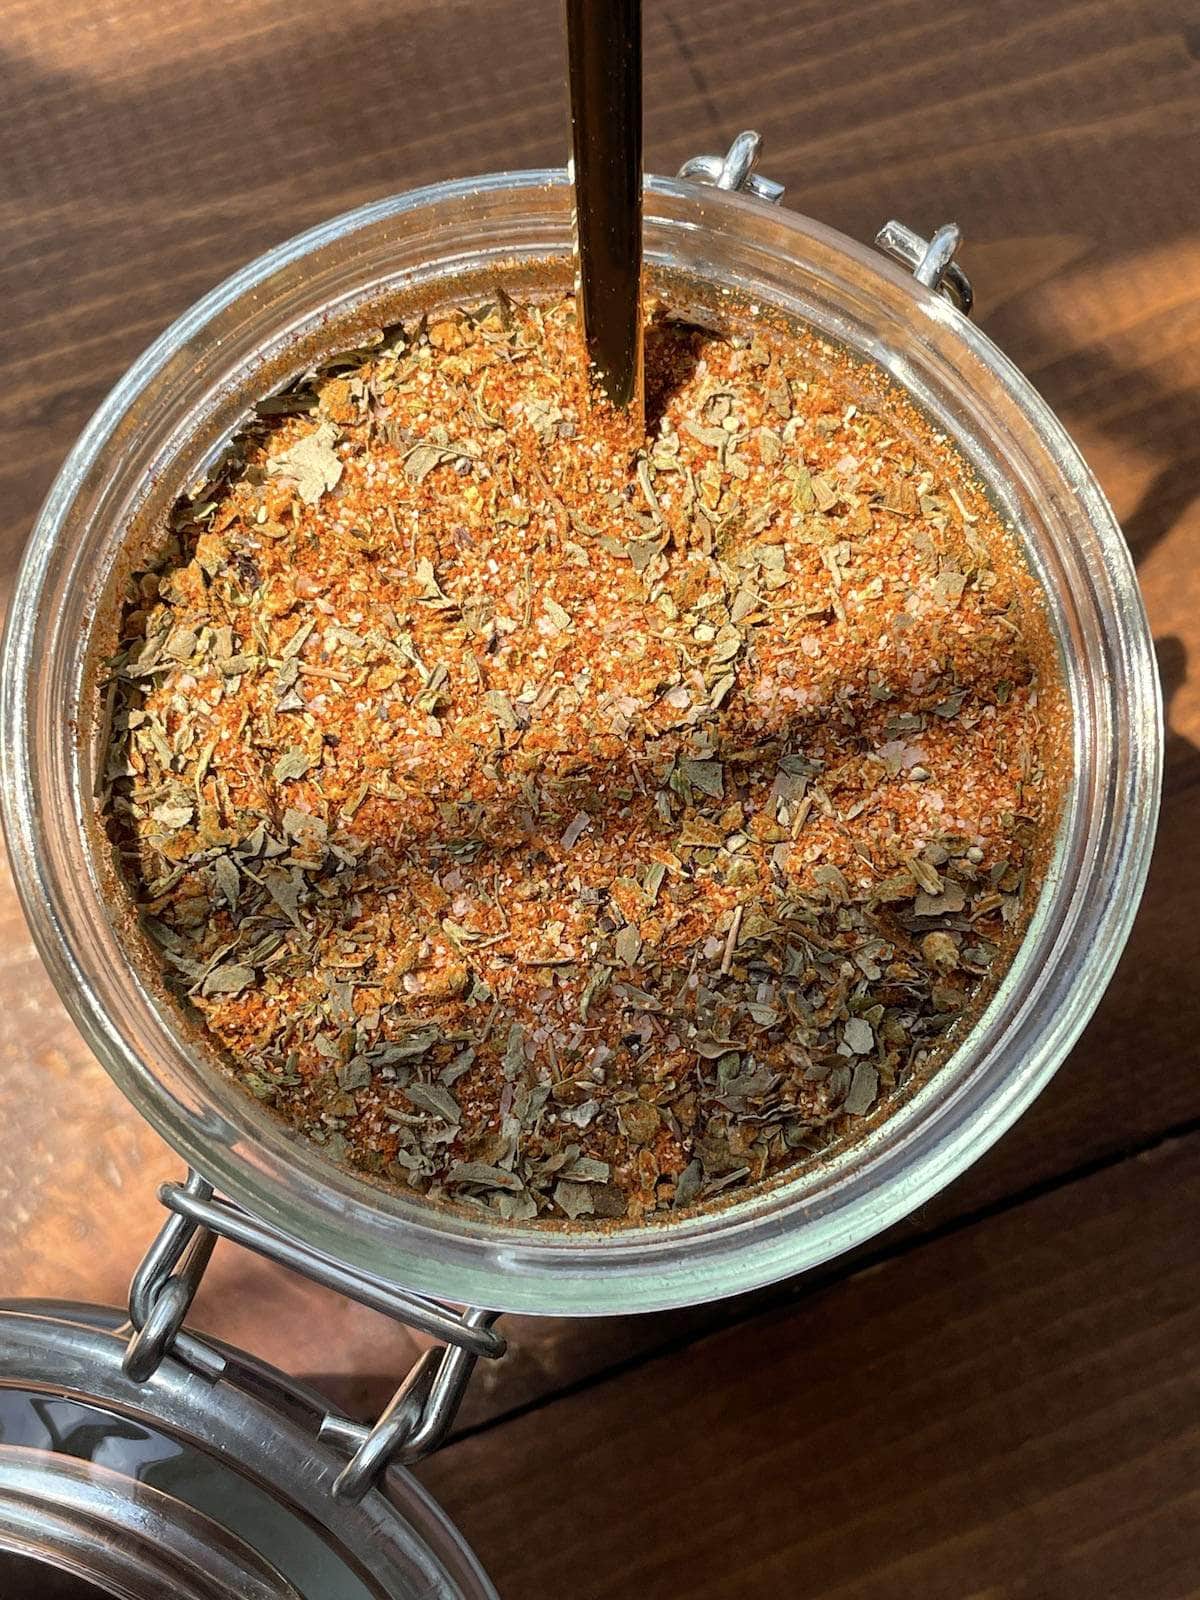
[[1000, 1398]]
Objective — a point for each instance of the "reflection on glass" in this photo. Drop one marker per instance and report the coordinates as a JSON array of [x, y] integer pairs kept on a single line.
[[90, 1433]]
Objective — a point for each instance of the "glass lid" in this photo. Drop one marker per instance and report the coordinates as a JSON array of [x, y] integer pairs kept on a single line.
[[199, 1486]]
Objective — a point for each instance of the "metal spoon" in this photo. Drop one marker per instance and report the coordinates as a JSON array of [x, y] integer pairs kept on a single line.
[[604, 56]]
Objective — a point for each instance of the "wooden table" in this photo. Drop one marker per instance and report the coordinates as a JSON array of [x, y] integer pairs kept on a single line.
[[1003, 1397]]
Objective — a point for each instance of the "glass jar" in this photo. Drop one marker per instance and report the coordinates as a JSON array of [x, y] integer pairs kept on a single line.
[[169, 415]]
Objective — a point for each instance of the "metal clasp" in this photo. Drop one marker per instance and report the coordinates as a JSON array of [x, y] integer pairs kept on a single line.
[[735, 169], [422, 1410], [931, 260], [416, 1419], [162, 1292]]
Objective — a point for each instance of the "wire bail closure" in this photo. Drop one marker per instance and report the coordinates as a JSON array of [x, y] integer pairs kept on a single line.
[[419, 1415], [735, 169], [931, 260]]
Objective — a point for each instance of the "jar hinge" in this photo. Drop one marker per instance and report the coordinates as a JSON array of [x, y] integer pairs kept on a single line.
[[421, 1412], [931, 260], [735, 169]]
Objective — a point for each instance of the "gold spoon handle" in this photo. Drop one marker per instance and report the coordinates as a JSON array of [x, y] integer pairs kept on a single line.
[[604, 55]]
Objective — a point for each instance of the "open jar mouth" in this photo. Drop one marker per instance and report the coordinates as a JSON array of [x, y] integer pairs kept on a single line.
[[178, 403]]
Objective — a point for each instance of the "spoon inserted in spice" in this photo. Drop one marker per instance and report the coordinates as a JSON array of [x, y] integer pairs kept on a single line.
[[604, 55]]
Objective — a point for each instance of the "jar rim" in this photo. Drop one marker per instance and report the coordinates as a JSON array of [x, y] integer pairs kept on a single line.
[[1104, 845]]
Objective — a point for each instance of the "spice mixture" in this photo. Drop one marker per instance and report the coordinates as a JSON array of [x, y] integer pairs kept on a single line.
[[568, 830]]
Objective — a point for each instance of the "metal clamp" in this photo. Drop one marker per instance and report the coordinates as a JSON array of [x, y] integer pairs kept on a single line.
[[416, 1419], [421, 1412], [735, 169], [162, 1292], [931, 260]]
